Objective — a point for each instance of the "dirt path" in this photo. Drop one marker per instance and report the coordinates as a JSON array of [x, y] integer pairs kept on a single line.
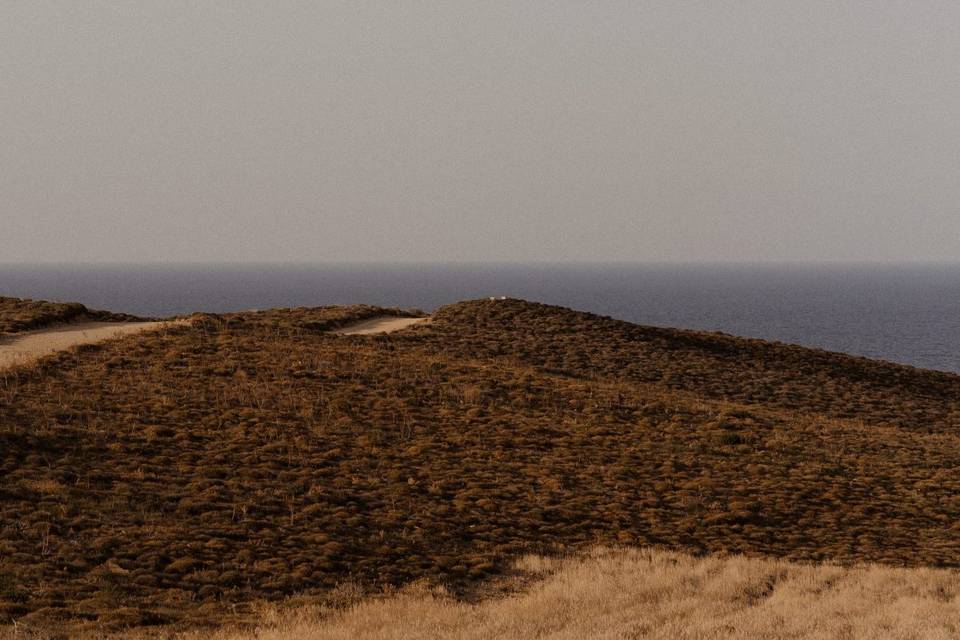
[[22, 348], [382, 324]]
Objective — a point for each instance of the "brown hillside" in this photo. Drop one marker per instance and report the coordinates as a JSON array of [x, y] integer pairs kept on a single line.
[[181, 476], [714, 365], [18, 314]]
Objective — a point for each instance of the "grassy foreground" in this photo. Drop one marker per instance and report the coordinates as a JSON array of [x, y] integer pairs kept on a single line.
[[184, 478], [631, 593]]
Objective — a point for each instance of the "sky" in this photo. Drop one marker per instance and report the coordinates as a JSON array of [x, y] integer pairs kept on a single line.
[[462, 131]]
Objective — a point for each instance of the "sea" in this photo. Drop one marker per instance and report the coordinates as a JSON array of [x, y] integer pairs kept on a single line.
[[908, 314]]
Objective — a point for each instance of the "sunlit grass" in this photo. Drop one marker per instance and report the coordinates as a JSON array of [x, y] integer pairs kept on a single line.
[[641, 593]]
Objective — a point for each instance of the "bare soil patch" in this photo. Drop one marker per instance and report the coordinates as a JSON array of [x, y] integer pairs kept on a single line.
[[25, 347], [383, 324]]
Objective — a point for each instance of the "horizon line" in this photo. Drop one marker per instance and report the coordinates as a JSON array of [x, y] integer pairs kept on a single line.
[[498, 263]]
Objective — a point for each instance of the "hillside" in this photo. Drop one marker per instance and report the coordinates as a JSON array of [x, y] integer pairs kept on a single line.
[[182, 476], [19, 314]]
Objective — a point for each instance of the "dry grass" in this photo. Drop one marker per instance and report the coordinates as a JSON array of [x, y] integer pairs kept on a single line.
[[632, 594], [709, 365], [182, 477]]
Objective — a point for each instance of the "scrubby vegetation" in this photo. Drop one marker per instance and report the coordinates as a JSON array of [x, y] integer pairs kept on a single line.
[[185, 475], [710, 365], [17, 314]]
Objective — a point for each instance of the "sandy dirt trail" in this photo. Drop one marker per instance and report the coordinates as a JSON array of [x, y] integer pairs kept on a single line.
[[382, 324], [23, 348]]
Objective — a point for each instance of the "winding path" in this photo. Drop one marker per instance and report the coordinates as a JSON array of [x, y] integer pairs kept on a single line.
[[23, 348], [29, 346], [381, 324]]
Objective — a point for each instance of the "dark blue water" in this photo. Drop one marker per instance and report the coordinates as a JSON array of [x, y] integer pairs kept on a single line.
[[907, 314]]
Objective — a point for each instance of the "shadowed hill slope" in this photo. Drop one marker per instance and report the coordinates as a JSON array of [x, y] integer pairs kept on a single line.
[[183, 476]]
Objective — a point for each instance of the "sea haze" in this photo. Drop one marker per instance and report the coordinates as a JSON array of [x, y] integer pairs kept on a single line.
[[907, 314]]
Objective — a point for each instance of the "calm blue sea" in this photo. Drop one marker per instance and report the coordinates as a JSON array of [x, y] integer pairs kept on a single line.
[[908, 314]]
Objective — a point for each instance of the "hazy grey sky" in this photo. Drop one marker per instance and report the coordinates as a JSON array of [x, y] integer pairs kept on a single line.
[[533, 130]]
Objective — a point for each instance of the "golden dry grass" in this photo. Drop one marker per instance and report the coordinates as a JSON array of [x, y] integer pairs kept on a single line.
[[643, 593]]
